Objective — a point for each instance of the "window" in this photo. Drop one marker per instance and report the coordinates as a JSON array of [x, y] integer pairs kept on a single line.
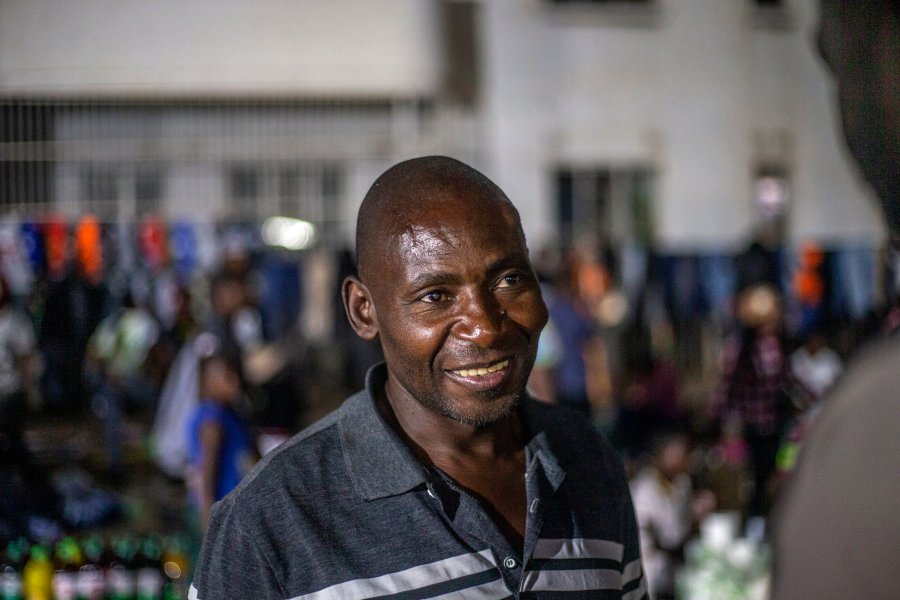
[[148, 184], [613, 13], [244, 182], [309, 191], [25, 175], [771, 193], [602, 1], [614, 204], [771, 14], [100, 184]]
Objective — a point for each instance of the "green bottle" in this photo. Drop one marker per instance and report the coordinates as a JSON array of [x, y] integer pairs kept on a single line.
[[65, 575], [12, 564]]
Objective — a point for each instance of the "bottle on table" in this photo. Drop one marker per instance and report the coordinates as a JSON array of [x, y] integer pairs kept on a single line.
[[12, 565], [68, 561], [37, 576], [176, 568], [150, 579], [92, 575], [121, 576]]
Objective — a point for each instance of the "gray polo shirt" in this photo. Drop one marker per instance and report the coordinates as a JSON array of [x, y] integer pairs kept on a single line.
[[344, 510]]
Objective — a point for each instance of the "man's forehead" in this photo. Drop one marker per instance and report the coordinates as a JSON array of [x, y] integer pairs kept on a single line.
[[454, 223], [433, 237], [418, 238]]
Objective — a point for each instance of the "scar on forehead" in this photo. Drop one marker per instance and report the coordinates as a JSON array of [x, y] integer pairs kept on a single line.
[[413, 235], [417, 244]]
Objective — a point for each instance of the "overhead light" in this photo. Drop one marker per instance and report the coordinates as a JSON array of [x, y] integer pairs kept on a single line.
[[288, 233]]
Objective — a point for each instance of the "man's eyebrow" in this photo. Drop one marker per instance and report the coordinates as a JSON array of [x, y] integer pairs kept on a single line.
[[425, 280], [436, 278], [508, 261]]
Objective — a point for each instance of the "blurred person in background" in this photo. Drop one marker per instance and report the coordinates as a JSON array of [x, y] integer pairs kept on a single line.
[[668, 509], [574, 329], [817, 367], [184, 327], [18, 371], [234, 321], [649, 396], [28, 504], [541, 383], [837, 531], [73, 308], [220, 445], [815, 364], [115, 371], [755, 385], [19, 360]]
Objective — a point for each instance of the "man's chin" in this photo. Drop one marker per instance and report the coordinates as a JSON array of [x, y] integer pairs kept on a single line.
[[481, 413]]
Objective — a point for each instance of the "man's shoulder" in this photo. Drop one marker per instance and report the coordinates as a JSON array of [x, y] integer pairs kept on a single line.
[[297, 469]]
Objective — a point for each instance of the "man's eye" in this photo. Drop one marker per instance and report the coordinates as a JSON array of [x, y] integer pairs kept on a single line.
[[509, 280], [433, 296]]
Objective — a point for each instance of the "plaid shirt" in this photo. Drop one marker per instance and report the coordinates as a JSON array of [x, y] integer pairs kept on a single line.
[[750, 390]]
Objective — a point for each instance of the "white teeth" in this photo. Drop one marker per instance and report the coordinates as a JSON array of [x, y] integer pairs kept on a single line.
[[482, 371], [497, 367]]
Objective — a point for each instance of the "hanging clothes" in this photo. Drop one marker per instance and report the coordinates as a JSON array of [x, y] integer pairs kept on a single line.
[[88, 249], [856, 269], [56, 240], [13, 259], [717, 281], [152, 240], [183, 249]]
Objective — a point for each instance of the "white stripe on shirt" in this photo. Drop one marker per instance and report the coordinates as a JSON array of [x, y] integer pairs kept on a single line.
[[492, 590], [578, 548], [414, 578], [572, 580], [631, 572], [548, 580]]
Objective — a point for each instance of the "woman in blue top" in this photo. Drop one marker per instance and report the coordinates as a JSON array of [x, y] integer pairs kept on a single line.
[[221, 448]]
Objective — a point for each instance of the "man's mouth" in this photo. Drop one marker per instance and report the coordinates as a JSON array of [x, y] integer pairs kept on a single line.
[[482, 371]]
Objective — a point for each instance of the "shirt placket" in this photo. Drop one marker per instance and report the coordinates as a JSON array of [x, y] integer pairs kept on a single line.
[[471, 518], [541, 484]]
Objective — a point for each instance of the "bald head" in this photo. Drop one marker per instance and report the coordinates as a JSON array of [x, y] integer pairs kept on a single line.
[[403, 191]]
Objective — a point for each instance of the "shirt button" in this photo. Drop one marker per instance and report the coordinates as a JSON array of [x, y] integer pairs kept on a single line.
[[509, 562]]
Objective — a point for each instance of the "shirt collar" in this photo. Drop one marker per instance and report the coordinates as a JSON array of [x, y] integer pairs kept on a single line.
[[381, 465]]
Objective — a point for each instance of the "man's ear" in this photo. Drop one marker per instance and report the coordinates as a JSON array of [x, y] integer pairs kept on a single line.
[[359, 308]]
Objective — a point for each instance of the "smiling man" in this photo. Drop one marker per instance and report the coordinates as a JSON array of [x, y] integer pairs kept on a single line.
[[442, 478]]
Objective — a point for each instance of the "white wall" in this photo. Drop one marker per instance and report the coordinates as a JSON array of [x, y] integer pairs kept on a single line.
[[339, 47], [702, 95]]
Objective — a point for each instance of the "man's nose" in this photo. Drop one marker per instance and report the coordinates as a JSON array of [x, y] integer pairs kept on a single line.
[[480, 319]]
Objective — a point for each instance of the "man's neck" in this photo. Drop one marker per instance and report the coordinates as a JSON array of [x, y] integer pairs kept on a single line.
[[439, 440]]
